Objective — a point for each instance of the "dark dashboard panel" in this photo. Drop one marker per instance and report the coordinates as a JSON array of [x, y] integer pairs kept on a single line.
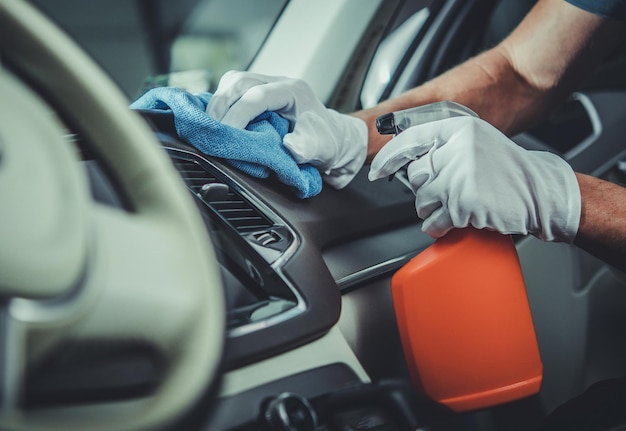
[[287, 280], [272, 307]]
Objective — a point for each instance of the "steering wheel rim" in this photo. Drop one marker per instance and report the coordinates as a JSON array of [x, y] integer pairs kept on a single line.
[[164, 238]]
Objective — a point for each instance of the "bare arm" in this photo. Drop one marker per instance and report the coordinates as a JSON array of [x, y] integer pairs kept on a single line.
[[602, 230], [517, 82]]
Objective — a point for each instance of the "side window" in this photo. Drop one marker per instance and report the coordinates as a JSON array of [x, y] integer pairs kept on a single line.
[[399, 40], [430, 37]]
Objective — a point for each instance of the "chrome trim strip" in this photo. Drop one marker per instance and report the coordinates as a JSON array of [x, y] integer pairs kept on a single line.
[[371, 272]]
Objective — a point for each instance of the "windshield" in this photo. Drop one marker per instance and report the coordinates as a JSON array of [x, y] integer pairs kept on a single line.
[[140, 43]]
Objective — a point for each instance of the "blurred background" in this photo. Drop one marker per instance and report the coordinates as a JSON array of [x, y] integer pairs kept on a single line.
[[139, 41]]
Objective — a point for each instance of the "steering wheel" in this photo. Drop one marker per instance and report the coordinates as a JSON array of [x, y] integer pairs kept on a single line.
[[74, 271]]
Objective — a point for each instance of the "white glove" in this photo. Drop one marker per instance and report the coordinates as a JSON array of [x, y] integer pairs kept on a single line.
[[334, 143], [465, 172]]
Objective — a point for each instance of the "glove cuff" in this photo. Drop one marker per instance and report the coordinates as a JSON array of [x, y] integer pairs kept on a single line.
[[560, 223], [352, 150]]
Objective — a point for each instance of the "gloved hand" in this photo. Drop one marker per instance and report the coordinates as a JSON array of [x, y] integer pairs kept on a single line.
[[334, 143], [465, 172]]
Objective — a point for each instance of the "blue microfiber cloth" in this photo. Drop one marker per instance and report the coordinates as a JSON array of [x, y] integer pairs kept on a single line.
[[257, 151]]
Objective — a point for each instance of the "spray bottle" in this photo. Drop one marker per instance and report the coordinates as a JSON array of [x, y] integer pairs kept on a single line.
[[462, 309]]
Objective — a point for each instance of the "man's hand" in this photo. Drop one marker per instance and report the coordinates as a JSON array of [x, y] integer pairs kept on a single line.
[[332, 142], [465, 172]]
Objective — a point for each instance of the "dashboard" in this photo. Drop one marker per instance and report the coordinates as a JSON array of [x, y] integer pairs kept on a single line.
[[285, 260], [286, 263]]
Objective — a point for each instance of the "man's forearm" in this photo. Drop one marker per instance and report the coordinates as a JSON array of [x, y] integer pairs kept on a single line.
[[602, 230], [497, 94]]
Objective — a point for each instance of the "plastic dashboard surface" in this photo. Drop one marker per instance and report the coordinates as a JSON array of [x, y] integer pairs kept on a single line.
[[316, 237]]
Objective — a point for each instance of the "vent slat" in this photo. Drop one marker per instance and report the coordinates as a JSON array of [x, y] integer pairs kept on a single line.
[[236, 210]]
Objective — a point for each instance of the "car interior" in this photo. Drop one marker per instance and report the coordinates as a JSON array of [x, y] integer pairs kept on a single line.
[[145, 285]]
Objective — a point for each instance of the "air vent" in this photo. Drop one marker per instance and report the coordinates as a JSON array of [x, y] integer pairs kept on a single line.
[[226, 202], [251, 243]]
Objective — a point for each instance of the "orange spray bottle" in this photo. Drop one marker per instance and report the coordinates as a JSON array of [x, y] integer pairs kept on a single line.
[[462, 309]]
